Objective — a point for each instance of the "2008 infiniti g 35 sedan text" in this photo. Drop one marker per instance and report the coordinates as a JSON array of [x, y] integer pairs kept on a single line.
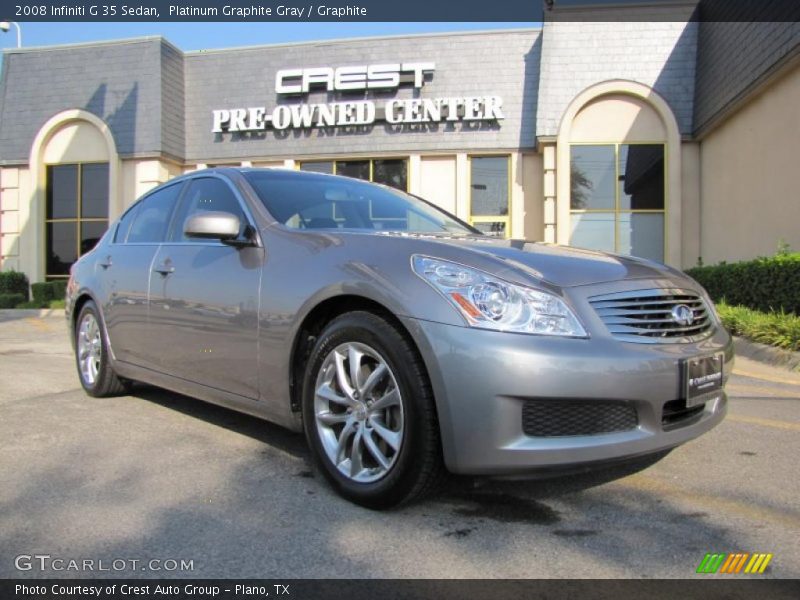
[[403, 341]]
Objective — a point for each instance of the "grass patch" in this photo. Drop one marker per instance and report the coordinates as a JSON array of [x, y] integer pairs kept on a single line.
[[778, 329]]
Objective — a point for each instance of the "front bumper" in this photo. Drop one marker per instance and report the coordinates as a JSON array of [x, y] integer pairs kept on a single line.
[[482, 379]]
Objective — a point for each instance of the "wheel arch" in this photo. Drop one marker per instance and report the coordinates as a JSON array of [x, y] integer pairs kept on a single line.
[[315, 322]]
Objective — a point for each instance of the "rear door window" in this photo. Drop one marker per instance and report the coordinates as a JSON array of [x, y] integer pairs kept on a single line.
[[153, 216]]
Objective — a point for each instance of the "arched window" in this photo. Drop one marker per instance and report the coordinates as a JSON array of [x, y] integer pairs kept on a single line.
[[76, 194], [618, 173], [617, 178]]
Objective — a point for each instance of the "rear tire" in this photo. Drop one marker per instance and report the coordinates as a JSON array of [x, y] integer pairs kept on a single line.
[[95, 372], [369, 413]]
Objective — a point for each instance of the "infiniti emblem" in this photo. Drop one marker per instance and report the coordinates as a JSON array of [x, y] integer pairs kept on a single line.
[[682, 314]]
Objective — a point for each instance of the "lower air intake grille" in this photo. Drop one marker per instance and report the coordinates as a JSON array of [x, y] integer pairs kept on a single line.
[[677, 414], [563, 418]]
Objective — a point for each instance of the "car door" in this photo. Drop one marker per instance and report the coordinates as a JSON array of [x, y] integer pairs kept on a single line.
[[204, 297], [125, 265]]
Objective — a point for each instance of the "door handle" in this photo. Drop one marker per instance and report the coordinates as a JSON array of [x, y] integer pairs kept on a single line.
[[106, 263], [164, 268]]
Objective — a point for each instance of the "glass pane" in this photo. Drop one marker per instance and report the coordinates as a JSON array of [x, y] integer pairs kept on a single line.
[[393, 173], [489, 183], [593, 230], [153, 215], [62, 247], [62, 191], [641, 177], [125, 225], [94, 191], [320, 166], [642, 235], [203, 195], [317, 202], [91, 232], [592, 176], [495, 228], [353, 168]]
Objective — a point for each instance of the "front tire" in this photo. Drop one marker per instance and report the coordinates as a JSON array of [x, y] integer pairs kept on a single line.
[[369, 413], [95, 372]]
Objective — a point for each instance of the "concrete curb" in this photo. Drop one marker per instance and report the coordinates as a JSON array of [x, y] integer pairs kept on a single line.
[[776, 357], [22, 313]]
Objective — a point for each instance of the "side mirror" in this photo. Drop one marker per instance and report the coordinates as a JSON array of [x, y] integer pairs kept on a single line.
[[213, 225]]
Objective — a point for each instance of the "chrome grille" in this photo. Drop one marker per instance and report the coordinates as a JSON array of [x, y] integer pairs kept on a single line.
[[647, 315]]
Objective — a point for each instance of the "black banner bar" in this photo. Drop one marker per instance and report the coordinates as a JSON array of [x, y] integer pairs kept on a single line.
[[522, 11], [713, 588]]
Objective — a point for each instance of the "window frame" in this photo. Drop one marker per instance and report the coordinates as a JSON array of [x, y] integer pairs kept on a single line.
[[617, 211], [472, 219], [78, 220]]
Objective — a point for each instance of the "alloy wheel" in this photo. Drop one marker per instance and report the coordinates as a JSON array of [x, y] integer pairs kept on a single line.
[[359, 412], [90, 349]]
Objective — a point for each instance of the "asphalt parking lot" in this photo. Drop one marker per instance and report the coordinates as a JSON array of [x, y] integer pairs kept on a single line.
[[160, 476]]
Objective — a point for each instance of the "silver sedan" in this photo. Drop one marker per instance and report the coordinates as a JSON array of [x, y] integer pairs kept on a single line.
[[404, 342]]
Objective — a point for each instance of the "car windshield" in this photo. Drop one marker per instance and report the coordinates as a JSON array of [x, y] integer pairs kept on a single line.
[[310, 201]]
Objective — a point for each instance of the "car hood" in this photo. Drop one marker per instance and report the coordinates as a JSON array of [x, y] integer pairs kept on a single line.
[[562, 266]]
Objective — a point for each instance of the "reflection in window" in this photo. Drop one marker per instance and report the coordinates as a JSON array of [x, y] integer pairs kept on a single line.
[[642, 234], [493, 228], [593, 230], [152, 216], [318, 166], [617, 198], [76, 214], [592, 177], [392, 172], [358, 169], [388, 171], [489, 194], [641, 177], [323, 203]]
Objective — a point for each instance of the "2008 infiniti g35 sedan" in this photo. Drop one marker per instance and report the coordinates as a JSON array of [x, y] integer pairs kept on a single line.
[[403, 341]]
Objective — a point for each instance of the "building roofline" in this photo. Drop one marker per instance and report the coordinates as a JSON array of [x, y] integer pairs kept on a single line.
[[164, 40], [325, 42], [118, 42]]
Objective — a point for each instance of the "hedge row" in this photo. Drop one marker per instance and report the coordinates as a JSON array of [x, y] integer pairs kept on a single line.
[[11, 300], [14, 291], [765, 284], [776, 329], [14, 282], [49, 290]]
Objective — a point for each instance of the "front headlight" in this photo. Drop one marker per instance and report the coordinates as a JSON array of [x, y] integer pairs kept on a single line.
[[490, 303]]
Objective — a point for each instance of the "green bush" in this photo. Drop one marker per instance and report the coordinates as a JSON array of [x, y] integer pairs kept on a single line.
[[49, 290], [11, 300], [764, 284], [42, 292], [14, 282], [775, 328], [59, 289], [34, 304]]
